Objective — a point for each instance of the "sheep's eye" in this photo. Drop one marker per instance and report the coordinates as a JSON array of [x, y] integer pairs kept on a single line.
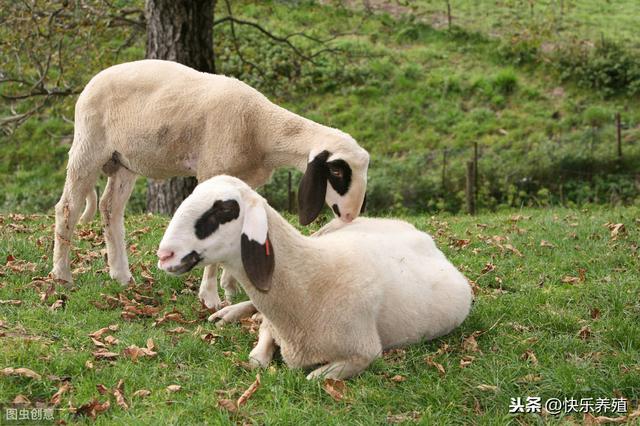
[[336, 172]]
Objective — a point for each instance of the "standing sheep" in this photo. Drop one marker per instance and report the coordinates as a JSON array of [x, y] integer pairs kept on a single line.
[[335, 300], [160, 119]]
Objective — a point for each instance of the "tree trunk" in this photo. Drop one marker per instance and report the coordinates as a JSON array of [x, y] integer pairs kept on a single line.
[[180, 31]]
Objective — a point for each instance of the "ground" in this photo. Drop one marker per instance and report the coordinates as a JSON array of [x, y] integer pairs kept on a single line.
[[557, 315]]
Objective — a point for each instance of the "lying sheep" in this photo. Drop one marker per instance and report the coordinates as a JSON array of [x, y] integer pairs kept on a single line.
[[336, 300], [161, 119]]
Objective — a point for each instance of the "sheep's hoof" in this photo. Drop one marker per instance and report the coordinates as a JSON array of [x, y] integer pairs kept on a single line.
[[211, 300], [255, 362], [124, 278], [62, 275]]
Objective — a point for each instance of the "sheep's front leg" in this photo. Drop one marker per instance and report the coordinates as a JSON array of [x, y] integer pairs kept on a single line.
[[262, 354], [229, 284], [233, 313], [341, 370], [112, 204], [208, 293]]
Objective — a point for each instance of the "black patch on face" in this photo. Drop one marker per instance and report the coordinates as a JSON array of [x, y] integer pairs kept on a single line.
[[221, 213], [258, 261], [336, 209], [187, 263], [339, 175]]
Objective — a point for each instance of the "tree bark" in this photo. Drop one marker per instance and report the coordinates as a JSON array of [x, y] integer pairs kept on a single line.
[[180, 31]]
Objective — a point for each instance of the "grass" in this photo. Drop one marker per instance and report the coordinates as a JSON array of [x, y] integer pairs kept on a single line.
[[573, 302]]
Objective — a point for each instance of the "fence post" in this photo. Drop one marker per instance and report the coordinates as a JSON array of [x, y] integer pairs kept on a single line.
[[290, 193], [444, 172], [471, 205], [619, 134], [475, 174]]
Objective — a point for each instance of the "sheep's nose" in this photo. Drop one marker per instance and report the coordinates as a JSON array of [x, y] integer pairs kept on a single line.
[[348, 217], [164, 254]]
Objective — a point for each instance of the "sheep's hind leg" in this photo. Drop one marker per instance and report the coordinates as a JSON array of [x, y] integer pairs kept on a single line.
[[341, 370], [233, 313], [262, 354], [229, 284], [112, 204], [208, 293], [68, 209]]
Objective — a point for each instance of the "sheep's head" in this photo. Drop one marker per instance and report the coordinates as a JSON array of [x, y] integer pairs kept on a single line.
[[338, 176], [221, 221]]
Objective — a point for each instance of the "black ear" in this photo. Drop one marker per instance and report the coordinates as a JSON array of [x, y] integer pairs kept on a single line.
[[313, 188], [258, 261]]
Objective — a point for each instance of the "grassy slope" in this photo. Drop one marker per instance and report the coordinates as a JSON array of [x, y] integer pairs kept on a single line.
[[418, 90], [522, 305]]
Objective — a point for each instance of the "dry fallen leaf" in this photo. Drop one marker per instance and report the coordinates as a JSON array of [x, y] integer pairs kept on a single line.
[[88, 364], [544, 243], [470, 344], [118, 392], [174, 388], [335, 388], [227, 404], [429, 360], [249, 392], [98, 343], [104, 354], [177, 330], [513, 250], [411, 417], [486, 388], [585, 332], [135, 352], [21, 400], [595, 313], [568, 279], [102, 389], [398, 378], [92, 409], [111, 340], [530, 378], [466, 361], [57, 397], [11, 302], [528, 355], [99, 333], [142, 393], [24, 372]]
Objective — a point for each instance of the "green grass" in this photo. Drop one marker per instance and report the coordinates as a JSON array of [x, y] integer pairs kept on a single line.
[[523, 304]]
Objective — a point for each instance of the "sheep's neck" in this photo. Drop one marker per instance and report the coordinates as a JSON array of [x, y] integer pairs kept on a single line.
[[285, 302], [288, 138]]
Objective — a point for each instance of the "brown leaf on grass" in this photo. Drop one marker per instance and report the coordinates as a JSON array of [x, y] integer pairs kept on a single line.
[[590, 419], [528, 355], [22, 372], [209, 337], [489, 267], [530, 378], [249, 392], [98, 343], [11, 302], [142, 393], [99, 333], [174, 388], [395, 355], [134, 352], [91, 409], [470, 344], [335, 388], [57, 397], [461, 243], [398, 378], [513, 250], [616, 229], [595, 313], [228, 405], [150, 345], [175, 316], [429, 360], [21, 400], [57, 304], [88, 364], [487, 388], [585, 332], [411, 417], [111, 340], [177, 330], [104, 354], [102, 389], [466, 361], [582, 274], [568, 279], [545, 243], [118, 392]]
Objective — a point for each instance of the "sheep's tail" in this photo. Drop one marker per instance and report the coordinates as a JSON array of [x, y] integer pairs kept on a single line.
[[90, 207]]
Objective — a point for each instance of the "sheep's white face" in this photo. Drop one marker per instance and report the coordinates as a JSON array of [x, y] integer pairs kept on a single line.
[[338, 178], [222, 220]]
